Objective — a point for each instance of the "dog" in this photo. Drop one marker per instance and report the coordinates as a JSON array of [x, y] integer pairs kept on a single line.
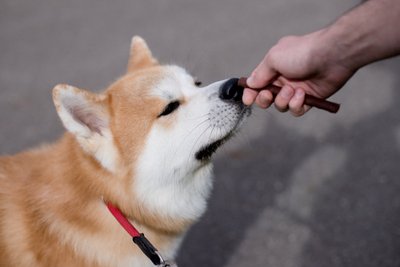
[[144, 144]]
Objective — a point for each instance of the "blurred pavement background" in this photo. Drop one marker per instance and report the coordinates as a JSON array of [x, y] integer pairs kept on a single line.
[[321, 190]]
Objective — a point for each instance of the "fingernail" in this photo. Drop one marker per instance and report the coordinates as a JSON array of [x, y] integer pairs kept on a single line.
[[299, 93], [246, 99], [264, 100], [250, 81]]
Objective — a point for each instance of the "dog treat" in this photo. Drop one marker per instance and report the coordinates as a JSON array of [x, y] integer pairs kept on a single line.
[[309, 99]]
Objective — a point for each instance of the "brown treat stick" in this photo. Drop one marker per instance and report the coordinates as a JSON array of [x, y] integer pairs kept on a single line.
[[309, 99]]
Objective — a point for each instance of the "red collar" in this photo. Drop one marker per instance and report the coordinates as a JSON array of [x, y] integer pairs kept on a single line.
[[138, 238]]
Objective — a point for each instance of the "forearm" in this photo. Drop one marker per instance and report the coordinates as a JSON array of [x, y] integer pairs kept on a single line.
[[368, 33]]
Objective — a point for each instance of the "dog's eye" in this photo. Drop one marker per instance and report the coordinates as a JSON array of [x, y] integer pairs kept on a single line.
[[197, 83], [171, 107]]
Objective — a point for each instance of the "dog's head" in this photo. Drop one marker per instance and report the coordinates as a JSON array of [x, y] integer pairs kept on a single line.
[[155, 120]]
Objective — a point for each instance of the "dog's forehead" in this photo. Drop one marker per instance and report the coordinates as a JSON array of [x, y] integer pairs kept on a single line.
[[175, 83]]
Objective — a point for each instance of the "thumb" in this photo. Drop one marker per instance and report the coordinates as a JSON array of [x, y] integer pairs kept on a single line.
[[262, 75]]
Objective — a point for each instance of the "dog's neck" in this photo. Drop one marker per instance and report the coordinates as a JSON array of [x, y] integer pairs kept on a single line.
[[96, 183]]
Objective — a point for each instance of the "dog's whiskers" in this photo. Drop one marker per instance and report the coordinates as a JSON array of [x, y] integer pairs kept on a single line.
[[188, 134], [198, 138], [199, 117]]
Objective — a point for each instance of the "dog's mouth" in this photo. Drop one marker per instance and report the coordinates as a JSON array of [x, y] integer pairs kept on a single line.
[[205, 153]]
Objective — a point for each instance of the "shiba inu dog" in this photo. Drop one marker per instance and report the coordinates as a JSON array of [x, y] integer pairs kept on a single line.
[[144, 144]]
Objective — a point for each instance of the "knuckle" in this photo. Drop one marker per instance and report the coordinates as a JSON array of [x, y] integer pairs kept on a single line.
[[296, 113], [271, 55], [282, 107], [263, 100]]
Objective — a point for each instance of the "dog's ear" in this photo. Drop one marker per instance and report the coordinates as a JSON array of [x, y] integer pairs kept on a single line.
[[140, 55], [84, 114]]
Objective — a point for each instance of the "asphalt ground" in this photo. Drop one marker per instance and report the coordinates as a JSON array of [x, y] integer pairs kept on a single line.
[[320, 190]]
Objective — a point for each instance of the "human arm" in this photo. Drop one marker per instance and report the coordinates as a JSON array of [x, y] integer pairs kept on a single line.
[[320, 63]]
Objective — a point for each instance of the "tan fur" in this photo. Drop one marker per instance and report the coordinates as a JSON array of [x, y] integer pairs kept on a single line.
[[51, 197]]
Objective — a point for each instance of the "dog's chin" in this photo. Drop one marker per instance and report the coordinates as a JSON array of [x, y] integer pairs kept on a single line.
[[205, 153]]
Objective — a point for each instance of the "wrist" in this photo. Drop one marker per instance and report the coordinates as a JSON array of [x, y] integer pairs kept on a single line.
[[336, 45], [364, 35], [326, 51]]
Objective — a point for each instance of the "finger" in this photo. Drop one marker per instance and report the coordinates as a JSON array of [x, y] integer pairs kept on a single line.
[[296, 104], [264, 99], [262, 75], [283, 98], [249, 96]]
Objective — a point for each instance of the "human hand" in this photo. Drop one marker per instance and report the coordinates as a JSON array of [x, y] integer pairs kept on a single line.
[[299, 64]]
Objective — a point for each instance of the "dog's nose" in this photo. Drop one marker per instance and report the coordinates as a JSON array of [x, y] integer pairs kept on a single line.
[[231, 91]]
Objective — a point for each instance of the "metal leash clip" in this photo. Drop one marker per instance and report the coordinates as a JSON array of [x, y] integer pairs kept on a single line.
[[164, 263], [168, 264], [139, 239]]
